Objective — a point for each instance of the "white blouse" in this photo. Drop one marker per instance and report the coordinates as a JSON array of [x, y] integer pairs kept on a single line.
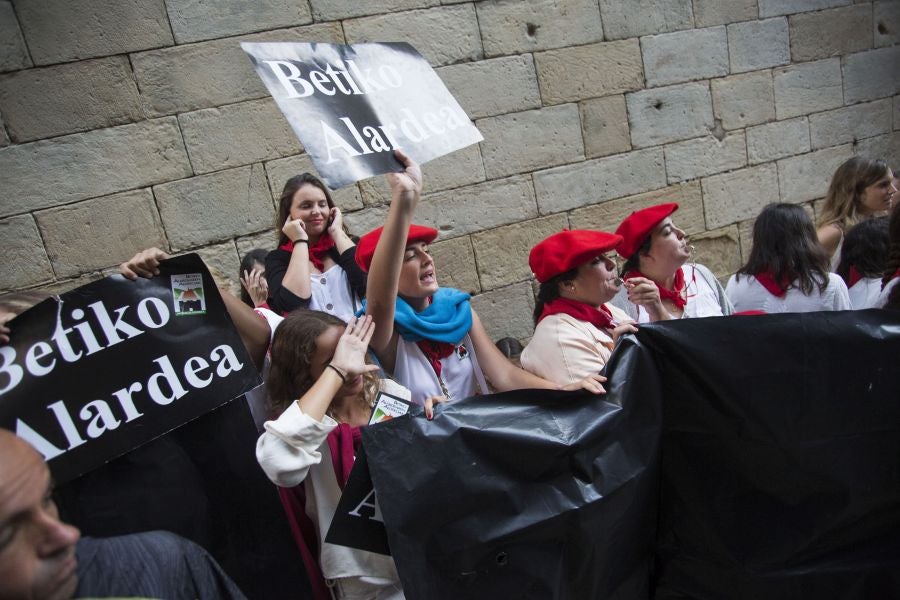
[[746, 293]]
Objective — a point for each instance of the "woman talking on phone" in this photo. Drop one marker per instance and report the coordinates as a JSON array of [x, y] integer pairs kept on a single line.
[[313, 266]]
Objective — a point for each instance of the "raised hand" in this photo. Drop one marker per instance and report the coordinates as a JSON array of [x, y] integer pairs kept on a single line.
[[350, 353], [295, 230], [143, 264], [256, 285]]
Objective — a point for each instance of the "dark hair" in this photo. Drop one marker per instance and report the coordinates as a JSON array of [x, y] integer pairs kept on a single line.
[[634, 261], [257, 255], [844, 198], [293, 347], [893, 254], [785, 244], [549, 291], [866, 248], [287, 197]]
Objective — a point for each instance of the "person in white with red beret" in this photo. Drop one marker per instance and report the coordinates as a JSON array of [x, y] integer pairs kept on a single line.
[[660, 283], [575, 329]]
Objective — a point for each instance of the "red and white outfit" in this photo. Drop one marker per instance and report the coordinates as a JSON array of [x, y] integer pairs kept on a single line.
[[747, 293], [460, 372], [293, 450], [704, 296], [258, 397]]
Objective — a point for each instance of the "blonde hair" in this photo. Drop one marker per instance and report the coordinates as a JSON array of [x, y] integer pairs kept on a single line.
[[844, 198]]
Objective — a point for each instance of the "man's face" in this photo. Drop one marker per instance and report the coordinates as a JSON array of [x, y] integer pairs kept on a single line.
[[37, 550]]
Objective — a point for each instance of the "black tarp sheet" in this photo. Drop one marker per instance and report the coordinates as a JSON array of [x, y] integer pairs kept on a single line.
[[741, 457]]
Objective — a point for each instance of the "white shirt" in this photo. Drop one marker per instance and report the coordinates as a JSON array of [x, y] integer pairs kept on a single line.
[[746, 293], [705, 296], [258, 397], [330, 292], [864, 293], [460, 372]]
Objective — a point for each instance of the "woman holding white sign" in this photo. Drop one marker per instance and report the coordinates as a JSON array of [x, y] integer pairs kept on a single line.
[[324, 389], [313, 266], [429, 338]]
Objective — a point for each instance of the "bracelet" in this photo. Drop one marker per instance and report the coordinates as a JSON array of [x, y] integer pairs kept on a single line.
[[340, 373], [295, 242]]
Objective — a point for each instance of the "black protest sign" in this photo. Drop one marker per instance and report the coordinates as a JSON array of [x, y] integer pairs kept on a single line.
[[357, 521], [351, 106], [100, 370]]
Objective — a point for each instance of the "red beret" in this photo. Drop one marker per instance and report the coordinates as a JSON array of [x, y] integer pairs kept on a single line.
[[639, 225], [365, 248], [568, 249]]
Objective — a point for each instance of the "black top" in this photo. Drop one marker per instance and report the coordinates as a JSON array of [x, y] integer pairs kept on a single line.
[[282, 300]]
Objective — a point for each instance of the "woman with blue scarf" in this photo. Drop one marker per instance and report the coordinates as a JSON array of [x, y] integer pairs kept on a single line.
[[429, 339]]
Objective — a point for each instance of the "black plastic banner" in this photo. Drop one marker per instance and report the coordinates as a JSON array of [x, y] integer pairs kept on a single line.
[[102, 369], [357, 520], [735, 457], [351, 106]]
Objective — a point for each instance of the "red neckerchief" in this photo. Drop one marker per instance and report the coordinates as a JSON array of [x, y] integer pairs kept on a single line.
[[317, 251], [343, 442], [853, 276], [601, 319], [776, 288], [676, 295], [434, 352]]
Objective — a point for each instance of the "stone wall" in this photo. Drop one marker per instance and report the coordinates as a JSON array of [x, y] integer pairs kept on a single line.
[[130, 123]]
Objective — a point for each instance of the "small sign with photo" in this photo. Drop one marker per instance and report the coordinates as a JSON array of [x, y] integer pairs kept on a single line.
[[388, 407]]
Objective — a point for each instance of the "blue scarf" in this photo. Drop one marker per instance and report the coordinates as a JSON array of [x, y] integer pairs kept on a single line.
[[447, 319]]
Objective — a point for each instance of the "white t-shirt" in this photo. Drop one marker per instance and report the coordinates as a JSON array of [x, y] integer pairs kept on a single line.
[[864, 293], [460, 372], [746, 293]]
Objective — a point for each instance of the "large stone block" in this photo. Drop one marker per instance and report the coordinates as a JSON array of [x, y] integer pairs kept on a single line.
[[42, 103], [850, 123], [775, 8], [459, 168], [642, 17], [86, 165], [363, 221], [581, 72], [215, 207], [493, 87], [721, 12], [196, 20], [454, 261], [778, 140], [264, 240], [333, 10], [807, 88], [669, 114], [100, 232], [61, 30], [705, 156], [443, 35], [237, 134], [719, 250], [478, 207], [896, 112], [831, 32], [502, 253], [348, 198], [581, 184], [807, 176], [510, 27], [886, 23], [529, 140], [872, 74], [24, 261], [739, 195], [206, 74], [604, 125], [4, 138], [882, 146], [506, 312], [606, 216], [685, 55], [743, 100], [224, 264], [758, 45], [13, 53]]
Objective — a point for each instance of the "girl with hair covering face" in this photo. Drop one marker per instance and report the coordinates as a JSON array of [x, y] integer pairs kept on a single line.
[[660, 283], [788, 269], [863, 261], [860, 188], [429, 338], [322, 389], [575, 329], [313, 266]]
